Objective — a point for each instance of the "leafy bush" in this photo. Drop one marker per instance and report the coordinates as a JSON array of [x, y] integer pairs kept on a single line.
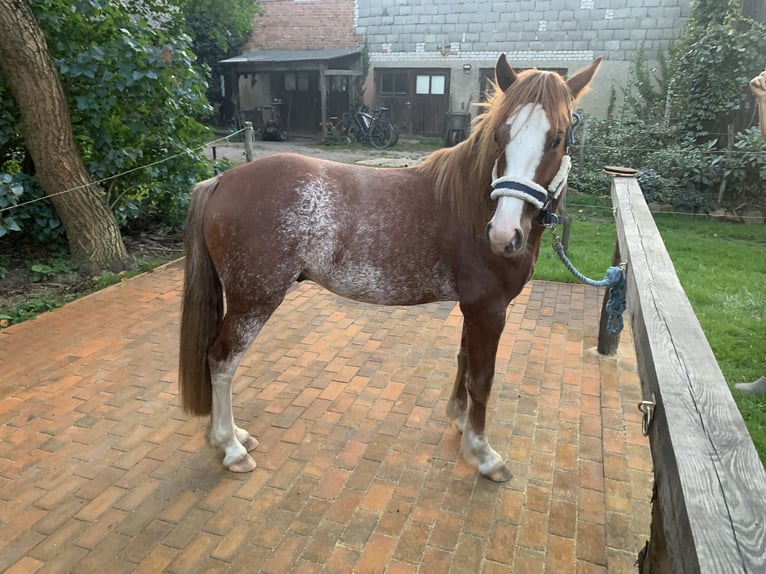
[[745, 169], [656, 189], [590, 180], [718, 53], [688, 165], [46, 270], [133, 93], [673, 167], [38, 219], [32, 308], [10, 191], [671, 109]]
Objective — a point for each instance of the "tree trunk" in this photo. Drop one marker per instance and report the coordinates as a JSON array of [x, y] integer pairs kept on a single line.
[[95, 242]]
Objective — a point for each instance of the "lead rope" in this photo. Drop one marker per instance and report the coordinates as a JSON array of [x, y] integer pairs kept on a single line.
[[614, 279]]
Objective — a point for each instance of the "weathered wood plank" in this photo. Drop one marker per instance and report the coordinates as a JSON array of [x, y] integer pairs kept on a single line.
[[710, 481]]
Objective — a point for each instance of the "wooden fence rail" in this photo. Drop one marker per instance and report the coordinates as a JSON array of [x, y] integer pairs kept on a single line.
[[710, 487]]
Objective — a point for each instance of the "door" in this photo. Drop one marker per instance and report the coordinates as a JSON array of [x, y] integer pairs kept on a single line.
[[430, 102], [339, 96], [418, 99], [299, 93], [393, 93]]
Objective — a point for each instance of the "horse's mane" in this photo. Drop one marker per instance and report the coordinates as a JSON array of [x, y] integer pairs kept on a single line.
[[462, 175]]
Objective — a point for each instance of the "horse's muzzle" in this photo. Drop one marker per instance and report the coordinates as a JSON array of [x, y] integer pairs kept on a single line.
[[505, 244]]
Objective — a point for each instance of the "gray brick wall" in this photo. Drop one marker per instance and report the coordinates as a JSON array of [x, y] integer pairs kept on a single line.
[[612, 28]]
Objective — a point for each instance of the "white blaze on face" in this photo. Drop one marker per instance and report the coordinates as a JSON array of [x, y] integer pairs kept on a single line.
[[529, 127]]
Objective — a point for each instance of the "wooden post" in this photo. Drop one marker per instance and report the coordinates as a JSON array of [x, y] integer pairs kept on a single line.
[[323, 97], [607, 342], [729, 149], [248, 141], [567, 225], [581, 162]]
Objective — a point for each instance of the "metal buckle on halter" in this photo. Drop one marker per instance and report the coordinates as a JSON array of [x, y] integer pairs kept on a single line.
[[547, 218]]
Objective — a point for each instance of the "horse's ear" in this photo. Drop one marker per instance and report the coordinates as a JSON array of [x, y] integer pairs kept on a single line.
[[504, 73], [579, 82]]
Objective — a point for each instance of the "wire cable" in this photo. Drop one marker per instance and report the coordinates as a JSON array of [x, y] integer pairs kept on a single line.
[[111, 177]]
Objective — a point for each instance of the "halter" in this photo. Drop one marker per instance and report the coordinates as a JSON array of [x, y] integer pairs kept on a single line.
[[534, 193]]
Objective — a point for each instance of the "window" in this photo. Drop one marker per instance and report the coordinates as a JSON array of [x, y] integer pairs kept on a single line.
[[338, 84], [393, 82], [296, 82], [430, 85]]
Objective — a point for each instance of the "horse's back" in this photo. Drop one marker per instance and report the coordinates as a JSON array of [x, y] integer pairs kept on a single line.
[[369, 234]]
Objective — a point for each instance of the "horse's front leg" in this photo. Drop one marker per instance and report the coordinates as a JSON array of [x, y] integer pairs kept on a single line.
[[457, 406], [482, 330]]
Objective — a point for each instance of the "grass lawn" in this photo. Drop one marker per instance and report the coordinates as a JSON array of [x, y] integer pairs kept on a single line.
[[722, 268]]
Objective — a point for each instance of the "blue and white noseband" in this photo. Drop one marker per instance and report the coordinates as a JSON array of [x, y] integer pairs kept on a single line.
[[534, 193]]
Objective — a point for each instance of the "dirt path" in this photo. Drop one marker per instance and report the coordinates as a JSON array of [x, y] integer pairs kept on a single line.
[[235, 152]]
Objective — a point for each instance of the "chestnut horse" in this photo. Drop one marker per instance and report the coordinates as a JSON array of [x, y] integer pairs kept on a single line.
[[464, 225]]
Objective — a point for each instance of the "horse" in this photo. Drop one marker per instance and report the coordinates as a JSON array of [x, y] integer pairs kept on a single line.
[[463, 225]]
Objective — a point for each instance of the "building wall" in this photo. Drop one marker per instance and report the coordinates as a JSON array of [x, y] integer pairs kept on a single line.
[[566, 34], [304, 25], [465, 37], [612, 28]]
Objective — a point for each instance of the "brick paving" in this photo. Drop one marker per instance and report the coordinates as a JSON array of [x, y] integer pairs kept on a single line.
[[358, 469]]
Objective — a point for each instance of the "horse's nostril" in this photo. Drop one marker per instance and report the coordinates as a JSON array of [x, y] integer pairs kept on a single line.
[[517, 239]]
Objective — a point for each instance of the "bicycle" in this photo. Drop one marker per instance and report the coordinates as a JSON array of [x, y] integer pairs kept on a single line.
[[363, 126]]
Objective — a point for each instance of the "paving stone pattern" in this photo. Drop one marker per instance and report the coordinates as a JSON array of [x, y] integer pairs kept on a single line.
[[358, 470]]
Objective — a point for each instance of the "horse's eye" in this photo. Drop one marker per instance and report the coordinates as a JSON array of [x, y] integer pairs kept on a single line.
[[556, 142]]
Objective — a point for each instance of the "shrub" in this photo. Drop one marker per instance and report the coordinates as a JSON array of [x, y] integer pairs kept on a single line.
[[673, 168], [745, 169], [656, 189], [38, 218]]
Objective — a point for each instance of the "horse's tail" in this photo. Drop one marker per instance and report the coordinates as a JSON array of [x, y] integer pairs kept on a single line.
[[201, 308]]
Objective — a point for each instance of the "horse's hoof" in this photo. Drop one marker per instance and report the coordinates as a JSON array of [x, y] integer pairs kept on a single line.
[[500, 474], [245, 463], [250, 443]]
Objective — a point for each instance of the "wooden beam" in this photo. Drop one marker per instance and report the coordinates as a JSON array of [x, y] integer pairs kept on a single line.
[[343, 73], [710, 482]]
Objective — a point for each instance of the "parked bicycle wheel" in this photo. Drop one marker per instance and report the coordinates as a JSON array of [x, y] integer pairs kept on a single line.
[[354, 134], [395, 139], [381, 134], [343, 129]]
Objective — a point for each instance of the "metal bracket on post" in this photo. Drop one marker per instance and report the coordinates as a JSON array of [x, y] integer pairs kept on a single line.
[[647, 407]]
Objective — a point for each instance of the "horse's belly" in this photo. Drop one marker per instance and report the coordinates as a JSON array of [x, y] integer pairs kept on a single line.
[[371, 284]]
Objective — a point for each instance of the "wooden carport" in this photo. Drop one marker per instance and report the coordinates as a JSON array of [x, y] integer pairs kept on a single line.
[[306, 78]]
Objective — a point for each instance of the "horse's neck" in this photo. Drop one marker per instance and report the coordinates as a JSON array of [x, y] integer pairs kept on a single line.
[[468, 155]]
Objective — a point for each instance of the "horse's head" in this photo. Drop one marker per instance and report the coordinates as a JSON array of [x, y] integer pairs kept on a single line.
[[531, 117]]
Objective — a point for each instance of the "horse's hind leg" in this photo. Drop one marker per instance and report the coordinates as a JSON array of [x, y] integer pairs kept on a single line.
[[482, 330], [235, 336]]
